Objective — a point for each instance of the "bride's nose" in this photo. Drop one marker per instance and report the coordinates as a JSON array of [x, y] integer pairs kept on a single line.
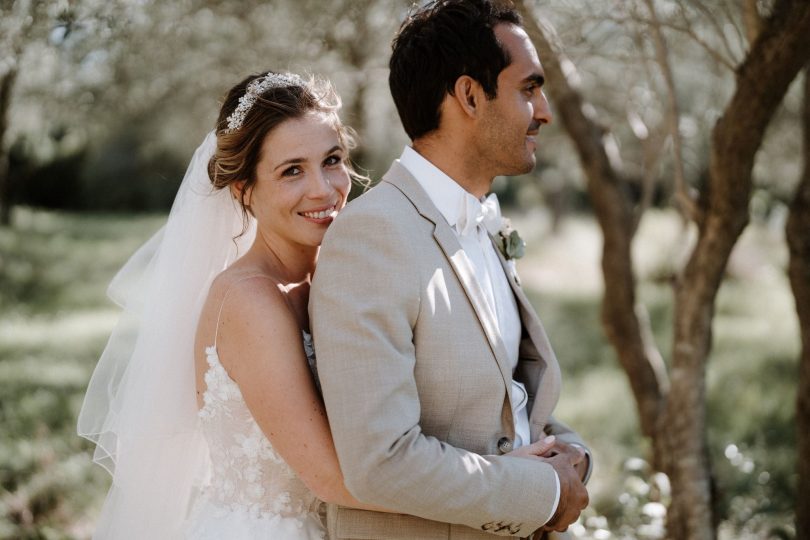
[[320, 185]]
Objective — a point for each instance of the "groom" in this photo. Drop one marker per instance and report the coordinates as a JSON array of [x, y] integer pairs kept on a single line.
[[432, 361]]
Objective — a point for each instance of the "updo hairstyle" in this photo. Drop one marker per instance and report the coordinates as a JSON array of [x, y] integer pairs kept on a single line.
[[239, 150]]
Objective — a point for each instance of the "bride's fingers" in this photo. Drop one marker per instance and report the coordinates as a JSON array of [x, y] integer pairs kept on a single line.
[[538, 448], [542, 446]]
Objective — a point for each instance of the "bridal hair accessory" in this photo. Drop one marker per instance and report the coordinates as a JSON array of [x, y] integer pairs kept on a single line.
[[256, 88]]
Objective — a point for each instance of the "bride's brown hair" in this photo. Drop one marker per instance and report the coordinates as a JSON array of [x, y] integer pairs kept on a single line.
[[239, 150]]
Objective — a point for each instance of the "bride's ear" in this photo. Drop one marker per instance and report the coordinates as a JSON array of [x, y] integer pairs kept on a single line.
[[237, 191], [237, 188]]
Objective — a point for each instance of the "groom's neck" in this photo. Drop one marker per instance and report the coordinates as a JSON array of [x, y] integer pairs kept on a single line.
[[452, 158]]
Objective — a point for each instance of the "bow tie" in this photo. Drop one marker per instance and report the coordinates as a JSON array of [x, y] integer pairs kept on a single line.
[[486, 213]]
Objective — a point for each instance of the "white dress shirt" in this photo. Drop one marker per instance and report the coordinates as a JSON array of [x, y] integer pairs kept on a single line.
[[458, 207]]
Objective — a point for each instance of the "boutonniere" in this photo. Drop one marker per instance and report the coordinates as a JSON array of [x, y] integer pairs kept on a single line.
[[510, 244]]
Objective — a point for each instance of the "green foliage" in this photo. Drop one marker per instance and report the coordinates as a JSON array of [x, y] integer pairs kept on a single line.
[[120, 174], [55, 320]]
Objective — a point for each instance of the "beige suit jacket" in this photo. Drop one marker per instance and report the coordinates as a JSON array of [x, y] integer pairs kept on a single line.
[[416, 379]]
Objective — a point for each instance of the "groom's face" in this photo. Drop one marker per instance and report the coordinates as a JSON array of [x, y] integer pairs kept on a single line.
[[510, 122]]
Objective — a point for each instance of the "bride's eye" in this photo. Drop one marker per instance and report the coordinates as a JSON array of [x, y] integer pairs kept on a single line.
[[333, 160], [292, 171]]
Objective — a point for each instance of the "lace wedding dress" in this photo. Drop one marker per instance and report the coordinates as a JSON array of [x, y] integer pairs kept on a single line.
[[252, 494], [180, 471]]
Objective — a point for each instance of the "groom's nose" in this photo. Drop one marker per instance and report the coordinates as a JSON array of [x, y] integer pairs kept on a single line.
[[542, 110]]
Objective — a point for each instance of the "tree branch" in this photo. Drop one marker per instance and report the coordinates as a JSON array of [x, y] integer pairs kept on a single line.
[[713, 22], [614, 211], [752, 21], [683, 200], [685, 29], [799, 273]]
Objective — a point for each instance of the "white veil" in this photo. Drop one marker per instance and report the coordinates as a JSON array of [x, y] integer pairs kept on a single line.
[[140, 408]]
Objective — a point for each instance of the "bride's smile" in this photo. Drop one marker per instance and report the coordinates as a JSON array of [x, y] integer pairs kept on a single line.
[[301, 181]]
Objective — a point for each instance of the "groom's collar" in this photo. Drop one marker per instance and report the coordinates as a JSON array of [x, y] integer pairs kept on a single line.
[[445, 193], [402, 179]]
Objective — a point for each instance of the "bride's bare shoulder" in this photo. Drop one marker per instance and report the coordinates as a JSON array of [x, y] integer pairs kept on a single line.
[[245, 285], [239, 296]]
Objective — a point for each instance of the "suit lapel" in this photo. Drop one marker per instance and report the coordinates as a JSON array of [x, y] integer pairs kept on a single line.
[[528, 316], [547, 391], [400, 178]]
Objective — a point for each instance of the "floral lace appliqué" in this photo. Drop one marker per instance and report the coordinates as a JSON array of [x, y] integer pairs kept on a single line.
[[247, 475]]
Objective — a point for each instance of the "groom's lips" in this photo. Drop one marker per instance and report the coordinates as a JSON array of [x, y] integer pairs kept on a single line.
[[530, 138], [534, 129], [321, 215], [532, 133]]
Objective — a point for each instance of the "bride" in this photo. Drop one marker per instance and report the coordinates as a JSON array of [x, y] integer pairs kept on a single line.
[[204, 405]]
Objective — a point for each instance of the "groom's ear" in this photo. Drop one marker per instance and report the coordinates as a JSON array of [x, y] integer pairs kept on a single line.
[[467, 93]]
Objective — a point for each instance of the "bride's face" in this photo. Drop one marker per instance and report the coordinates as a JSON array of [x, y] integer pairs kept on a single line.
[[302, 180]]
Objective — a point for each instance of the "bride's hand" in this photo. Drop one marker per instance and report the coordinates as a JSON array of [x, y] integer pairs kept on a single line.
[[536, 449]]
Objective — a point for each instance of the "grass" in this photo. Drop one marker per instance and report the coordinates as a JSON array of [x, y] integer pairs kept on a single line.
[[55, 319]]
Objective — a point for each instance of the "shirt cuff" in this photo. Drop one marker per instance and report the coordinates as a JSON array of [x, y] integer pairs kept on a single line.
[[556, 497]]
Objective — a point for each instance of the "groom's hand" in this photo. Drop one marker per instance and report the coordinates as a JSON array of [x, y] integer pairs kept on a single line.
[[573, 495], [576, 454], [567, 461]]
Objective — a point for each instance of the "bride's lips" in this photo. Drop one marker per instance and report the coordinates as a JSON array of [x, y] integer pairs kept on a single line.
[[320, 215]]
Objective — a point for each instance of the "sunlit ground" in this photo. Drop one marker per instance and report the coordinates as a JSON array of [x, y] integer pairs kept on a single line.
[[55, 319]]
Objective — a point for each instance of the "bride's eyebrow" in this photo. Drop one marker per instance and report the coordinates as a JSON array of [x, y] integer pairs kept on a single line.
[[291, 161], [299, 160]]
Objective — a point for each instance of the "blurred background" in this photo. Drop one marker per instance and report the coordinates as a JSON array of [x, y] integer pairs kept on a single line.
[[103, 101]]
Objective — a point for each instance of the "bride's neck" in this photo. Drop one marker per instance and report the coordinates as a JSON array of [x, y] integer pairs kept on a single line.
[[288, 263]]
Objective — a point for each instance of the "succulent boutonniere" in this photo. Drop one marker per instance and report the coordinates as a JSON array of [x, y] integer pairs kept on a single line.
[[510, 244]]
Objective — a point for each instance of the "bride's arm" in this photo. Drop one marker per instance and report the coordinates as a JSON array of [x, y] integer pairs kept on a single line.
[[260, 345]]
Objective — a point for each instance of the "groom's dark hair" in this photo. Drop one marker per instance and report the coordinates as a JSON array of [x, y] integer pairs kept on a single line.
[[436, 45]]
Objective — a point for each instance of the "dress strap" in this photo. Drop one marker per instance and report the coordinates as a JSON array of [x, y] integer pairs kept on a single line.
[[228, 292]]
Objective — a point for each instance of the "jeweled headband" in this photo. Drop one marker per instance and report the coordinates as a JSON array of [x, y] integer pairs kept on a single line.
[[256, 88]]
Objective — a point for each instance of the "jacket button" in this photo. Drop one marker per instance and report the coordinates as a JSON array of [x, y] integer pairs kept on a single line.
[[505, 445]]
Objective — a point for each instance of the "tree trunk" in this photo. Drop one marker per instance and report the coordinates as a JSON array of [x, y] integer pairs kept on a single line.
[[675, 420], [775, 58], [6, 87], [797, 232], [614, 211]]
